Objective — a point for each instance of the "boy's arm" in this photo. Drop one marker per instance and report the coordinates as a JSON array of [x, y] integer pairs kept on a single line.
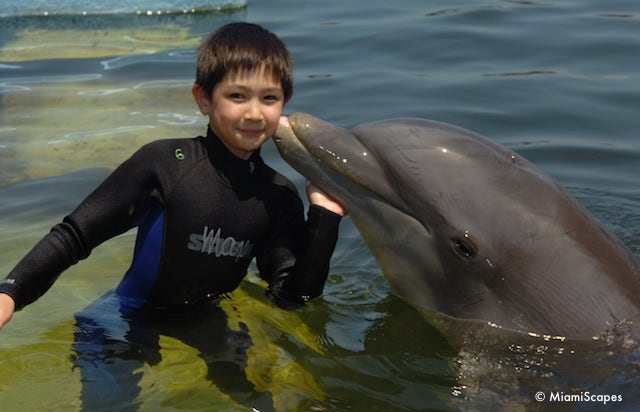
[[109, 210], [305, 281]]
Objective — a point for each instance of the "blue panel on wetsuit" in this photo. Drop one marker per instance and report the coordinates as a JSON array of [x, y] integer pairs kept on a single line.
[[140, 277]]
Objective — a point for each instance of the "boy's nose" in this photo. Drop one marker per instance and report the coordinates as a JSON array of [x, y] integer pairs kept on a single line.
[[253, 111]]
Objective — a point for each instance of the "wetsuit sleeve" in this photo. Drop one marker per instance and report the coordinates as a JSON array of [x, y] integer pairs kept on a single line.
[[305, 280], [37, 271], [109, 210]]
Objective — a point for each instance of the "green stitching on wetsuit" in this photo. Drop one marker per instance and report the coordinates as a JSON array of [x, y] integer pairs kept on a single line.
[[179, 154]]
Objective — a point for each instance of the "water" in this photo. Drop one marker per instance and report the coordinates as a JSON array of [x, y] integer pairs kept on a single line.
[[18, 8], [556, 81]]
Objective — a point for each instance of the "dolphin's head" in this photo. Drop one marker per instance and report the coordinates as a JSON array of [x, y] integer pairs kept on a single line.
[[462, 226]]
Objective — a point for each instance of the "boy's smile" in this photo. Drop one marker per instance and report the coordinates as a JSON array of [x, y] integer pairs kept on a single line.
[[244, 109]]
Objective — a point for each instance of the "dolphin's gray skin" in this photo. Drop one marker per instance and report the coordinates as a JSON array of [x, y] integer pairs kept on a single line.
[[462, 226]]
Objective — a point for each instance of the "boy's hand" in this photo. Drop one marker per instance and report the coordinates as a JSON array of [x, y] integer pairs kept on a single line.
[[7, 307], [319, 198]]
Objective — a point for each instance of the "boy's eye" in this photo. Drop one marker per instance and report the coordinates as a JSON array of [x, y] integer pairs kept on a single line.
[[236, 96]]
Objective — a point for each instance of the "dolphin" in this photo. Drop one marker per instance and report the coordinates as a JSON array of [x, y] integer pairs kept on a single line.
[[464, 227]]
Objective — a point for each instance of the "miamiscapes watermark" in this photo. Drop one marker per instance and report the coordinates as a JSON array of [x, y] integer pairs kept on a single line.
[[558, 396]]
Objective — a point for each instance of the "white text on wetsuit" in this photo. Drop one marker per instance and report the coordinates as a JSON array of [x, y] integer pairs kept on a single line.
[[210, 241]]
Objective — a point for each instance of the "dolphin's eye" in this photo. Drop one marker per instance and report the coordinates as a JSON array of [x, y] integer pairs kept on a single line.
[[463, 247]]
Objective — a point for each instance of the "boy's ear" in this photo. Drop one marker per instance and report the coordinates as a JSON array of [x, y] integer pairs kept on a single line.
[[202, 100]]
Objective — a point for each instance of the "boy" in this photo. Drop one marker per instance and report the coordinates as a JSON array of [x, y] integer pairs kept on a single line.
[[204, 207]]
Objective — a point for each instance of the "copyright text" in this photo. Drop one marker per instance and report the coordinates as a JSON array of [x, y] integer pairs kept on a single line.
[[577, 397]]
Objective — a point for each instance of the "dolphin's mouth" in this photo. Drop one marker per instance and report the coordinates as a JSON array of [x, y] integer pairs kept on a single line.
[[325, 153], [339, 163], [322, 146]]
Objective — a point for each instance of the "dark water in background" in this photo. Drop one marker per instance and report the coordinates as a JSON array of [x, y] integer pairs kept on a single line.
[[556, 81]]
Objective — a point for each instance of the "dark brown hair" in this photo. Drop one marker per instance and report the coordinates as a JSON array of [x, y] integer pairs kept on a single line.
[[238, 47]]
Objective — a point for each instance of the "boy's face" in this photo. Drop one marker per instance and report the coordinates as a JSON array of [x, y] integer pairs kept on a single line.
[[244, 110]]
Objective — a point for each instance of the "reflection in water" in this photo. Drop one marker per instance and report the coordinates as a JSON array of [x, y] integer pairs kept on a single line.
[[113, 340]]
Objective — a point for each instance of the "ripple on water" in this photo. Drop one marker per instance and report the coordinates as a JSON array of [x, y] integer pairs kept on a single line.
[[41, 365]]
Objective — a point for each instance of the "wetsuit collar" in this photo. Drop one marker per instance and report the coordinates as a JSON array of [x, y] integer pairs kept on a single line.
[[233, 170]]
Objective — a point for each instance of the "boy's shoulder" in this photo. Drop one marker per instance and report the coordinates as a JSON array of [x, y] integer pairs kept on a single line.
[[175, 148]]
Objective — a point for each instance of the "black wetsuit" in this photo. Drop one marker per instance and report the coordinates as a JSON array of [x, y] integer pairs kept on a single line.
[[202, 214]]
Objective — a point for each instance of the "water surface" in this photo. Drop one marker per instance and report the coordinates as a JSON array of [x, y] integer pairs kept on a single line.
[[556, 81]]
